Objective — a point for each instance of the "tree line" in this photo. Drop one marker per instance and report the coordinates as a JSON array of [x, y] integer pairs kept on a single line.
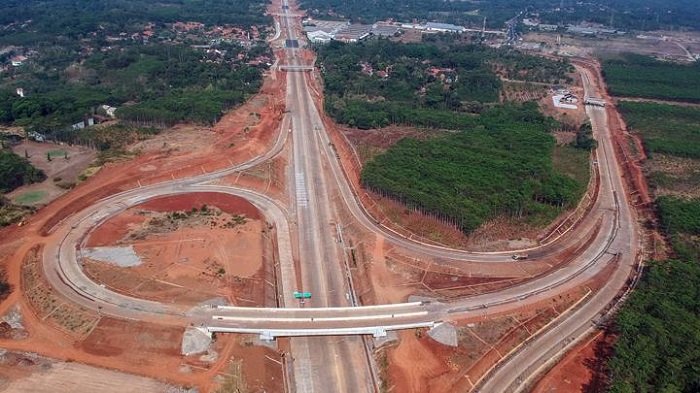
[[643, 76], [500, 165], [30, 22], [658, 349], [16, 171], [624, 14]]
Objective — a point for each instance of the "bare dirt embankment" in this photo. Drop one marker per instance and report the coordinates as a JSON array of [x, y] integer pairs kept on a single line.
[[582, 370]]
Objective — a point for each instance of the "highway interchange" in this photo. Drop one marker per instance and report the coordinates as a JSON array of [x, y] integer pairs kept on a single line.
[[306, 231]]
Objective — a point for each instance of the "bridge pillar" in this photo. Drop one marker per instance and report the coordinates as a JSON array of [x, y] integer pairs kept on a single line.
[[267, 336]]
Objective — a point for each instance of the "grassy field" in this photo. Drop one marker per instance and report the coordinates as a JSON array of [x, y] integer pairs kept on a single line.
[[573, 163], [30, 197], [667, 129], [57, 153]]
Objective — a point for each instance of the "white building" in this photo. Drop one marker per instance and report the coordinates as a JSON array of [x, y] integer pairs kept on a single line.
[[319, 37], [17, 61], [444, 27]]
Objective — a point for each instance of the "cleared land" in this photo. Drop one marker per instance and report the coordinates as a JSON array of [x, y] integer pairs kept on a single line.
[[184, 256], [62, 171], [26, 372], [420, 364]]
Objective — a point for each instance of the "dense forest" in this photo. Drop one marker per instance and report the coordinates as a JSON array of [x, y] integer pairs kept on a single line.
[[659, 347], [29, 22], [667, 129], [500, 165], [623, 14], [16, 171], [642, 76], [439, 84]]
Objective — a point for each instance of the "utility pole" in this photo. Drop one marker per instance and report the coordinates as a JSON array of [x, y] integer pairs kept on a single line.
[[612, 17]]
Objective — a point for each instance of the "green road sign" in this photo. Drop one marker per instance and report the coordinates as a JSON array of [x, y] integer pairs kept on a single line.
[[302, 295]]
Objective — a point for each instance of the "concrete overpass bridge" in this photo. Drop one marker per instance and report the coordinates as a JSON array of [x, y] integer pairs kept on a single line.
[[270, 323], [287, 67], [272, 334]]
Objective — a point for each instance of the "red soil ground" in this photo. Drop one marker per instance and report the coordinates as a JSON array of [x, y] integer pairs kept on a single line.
[[227, 203], [582, 369], [237, 140], [205, 257]]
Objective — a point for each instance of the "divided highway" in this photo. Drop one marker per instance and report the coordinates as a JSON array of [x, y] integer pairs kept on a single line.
[[306, 233]]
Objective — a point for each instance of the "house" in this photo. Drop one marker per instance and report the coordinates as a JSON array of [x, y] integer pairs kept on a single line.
[[20, 92], [33, 135], [109, 110], [581, 30], [17, 61], [329, 26], [83, 124], [446, 75], [367, 69], [414, 26]]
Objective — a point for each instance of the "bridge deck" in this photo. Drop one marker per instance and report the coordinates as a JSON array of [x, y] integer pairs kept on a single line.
[[271, 334]]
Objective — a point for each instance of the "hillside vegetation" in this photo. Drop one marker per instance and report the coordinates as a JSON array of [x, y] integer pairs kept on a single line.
[[659, 347], [495, 161], [438, 85], [50, 21], [15, 171], [159, 63], [164, 91], [642, 76]]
